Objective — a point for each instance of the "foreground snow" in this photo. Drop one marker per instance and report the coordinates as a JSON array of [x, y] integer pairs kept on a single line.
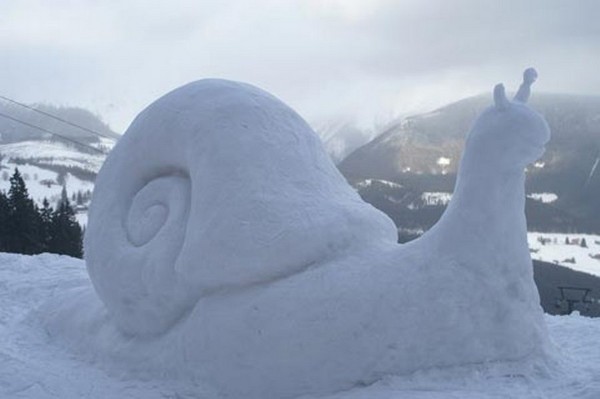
[[33, 366]]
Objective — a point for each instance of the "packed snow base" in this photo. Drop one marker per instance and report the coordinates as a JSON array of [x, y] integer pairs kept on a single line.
[[38, 363], [226, 248]]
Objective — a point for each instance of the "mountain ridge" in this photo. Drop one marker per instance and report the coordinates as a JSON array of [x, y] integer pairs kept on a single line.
[[423, 152]]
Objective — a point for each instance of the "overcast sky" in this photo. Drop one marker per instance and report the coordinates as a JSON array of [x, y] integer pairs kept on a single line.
[[329, 59]]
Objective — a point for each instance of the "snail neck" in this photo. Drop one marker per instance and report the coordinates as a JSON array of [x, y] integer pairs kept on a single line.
[[485, 215]]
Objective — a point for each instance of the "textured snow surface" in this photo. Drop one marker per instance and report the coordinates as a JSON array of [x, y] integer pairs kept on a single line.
[[225, 247], [36, 365]]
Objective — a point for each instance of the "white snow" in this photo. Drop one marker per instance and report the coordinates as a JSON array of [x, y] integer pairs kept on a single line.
[[226, 250], [546, 198], [369, 182], [555, 250], [436, 197], [36, 178], [54, 153], [38, 158], [33, 365], [443, 161]]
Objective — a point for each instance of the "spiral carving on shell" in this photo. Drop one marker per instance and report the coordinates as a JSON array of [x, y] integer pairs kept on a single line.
[[148, 213], [150, 232]]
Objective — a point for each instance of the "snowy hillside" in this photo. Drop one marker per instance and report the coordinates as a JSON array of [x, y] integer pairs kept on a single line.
[[422, 153], [567, 250], [55, 153], [70, 158], [47, 166], [40, 119], [34, 367]]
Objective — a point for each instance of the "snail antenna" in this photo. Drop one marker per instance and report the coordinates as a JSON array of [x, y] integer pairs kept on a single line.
[[500, 97], [529, 76]]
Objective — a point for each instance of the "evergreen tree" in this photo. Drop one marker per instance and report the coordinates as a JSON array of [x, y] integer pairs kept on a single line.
[[24, 220], [46, 224], [65, 234], [4, 223]]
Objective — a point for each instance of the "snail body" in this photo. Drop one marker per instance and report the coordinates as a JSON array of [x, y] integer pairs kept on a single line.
[[222, 235]]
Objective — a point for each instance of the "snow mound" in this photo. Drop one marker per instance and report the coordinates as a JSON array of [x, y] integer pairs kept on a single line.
[[226, 248]]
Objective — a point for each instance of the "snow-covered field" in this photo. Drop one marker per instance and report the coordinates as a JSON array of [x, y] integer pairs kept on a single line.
[[34, 366], [55, 153], [555, 249], [44, 183]]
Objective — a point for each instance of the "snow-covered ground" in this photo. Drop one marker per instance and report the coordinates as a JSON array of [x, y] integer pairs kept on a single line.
[[35, 367], [554, 249]]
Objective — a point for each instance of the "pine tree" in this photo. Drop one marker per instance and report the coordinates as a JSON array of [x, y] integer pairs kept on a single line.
[[46, 224], [24, 220], [65, 235], [4, 223]]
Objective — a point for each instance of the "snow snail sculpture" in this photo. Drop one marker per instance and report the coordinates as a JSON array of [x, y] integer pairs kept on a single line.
[[220, 228]]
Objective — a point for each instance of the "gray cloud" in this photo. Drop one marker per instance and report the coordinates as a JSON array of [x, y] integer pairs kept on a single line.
[[362, 59]]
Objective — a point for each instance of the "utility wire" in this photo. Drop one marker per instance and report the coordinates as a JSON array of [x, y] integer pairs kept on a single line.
[[56, 117], [594, 167], [52, 133]]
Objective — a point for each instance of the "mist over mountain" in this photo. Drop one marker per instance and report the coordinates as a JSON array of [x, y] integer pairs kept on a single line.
[[342, 137], [12, 131], [407, 169], [422, 153]]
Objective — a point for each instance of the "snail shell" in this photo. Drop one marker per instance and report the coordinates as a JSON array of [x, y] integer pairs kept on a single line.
[[216, 186]]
